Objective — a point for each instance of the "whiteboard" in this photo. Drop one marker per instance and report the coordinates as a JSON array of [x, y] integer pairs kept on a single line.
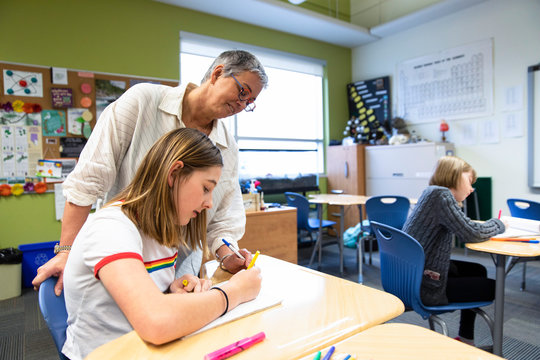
[[534, 125]]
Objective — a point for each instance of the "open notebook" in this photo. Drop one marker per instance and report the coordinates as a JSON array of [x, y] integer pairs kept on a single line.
[[519, 227], [267, 297]]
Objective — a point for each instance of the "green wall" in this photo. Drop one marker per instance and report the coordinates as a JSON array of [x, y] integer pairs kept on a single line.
[[135, 37]]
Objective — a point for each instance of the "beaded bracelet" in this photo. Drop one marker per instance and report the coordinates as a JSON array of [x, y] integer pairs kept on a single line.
[[226, 299]]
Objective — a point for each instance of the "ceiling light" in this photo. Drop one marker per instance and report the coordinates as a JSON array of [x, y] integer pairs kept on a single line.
[[296, 2]]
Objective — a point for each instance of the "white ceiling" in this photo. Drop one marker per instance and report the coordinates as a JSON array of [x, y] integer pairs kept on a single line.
[[292, 19]]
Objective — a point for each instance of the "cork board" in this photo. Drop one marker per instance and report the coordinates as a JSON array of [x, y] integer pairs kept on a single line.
[[76, 99]]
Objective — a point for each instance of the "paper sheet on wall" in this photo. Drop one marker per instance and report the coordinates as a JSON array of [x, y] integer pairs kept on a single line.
[[451, 84]]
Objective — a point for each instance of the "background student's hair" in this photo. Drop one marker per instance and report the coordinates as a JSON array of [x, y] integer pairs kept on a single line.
[[448, 172], [149, 201]]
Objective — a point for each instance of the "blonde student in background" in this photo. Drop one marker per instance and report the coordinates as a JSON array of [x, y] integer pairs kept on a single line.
[[438, 215], [120, 275], [128, 127]]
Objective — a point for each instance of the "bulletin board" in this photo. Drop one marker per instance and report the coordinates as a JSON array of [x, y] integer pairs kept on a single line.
[[48, 113]]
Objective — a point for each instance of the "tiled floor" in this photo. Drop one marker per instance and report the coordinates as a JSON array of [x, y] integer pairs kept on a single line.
[[24, 335]]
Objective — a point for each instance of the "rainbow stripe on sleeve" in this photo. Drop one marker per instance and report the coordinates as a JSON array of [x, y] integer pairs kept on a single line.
[[159, 264]]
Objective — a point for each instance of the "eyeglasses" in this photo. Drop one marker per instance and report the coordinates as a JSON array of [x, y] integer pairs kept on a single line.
[[245, 95]]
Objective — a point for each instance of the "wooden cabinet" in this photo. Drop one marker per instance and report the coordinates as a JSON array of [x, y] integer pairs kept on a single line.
[[345, 169], [272, 232]]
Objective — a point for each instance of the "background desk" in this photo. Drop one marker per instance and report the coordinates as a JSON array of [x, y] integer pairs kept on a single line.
[[317, 311], [405, 341], [502, 249], [272, 232]]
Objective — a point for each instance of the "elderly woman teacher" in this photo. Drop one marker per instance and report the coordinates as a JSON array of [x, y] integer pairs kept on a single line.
[[127, 129]]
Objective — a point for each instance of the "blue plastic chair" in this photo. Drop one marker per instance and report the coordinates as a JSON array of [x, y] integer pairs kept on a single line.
[[54, 312], [387, 209], [304, 222], [402, 267], [524, 209]]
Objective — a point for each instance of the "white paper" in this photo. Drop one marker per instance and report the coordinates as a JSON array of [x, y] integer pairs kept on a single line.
[[59, 76], [512, 125], [513, 98], [23, 83], [488, 131]]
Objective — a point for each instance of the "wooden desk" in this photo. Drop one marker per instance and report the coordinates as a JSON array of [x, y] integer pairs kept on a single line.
[[273, 233], [340, 200], [502, 250], [317, 311], [405, 341]]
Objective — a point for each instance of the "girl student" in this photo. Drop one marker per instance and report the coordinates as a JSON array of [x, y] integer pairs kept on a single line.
[[120, 273], [438, 215]]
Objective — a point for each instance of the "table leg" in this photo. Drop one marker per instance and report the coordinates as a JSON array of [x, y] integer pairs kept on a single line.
[[318, 243], [499, 304], [341, 231]]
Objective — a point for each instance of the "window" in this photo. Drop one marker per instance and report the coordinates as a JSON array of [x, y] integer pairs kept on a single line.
[[284, 135]]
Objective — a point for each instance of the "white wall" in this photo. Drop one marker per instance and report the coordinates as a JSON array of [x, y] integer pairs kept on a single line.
[[515, 29]]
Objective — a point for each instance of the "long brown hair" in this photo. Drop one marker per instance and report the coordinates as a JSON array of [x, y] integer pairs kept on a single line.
[[149, 201]]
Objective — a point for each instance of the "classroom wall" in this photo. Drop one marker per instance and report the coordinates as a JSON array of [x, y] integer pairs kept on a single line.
[[136, 37], [515, 30]]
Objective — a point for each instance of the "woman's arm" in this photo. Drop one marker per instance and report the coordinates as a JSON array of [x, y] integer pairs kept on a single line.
[[159, 318]]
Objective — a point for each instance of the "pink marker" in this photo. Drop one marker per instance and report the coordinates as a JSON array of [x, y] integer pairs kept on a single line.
[[235, 348]]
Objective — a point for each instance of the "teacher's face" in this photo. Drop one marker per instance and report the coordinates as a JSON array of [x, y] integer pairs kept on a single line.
[[224, 98]]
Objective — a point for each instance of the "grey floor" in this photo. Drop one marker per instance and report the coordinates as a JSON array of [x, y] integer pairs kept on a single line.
[[24, 335]]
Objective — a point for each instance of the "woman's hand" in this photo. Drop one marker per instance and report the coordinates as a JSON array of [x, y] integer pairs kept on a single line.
[[194, 284], [234, 264]]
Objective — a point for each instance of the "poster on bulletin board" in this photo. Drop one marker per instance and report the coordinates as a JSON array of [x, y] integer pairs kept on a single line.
[[49, 113]]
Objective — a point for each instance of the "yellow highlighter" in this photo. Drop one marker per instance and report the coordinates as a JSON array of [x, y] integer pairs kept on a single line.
[[253, 260]]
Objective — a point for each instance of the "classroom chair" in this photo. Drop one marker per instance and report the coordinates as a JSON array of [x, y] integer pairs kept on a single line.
[[387, 209], [525, 209], [306, 223], [54, 312], [402, 267]]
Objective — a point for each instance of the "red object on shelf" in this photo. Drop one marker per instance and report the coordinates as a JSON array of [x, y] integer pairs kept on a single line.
[[444, 128]]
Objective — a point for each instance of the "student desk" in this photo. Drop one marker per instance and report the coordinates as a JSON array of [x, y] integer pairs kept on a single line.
[[317, 311], [404, 341], [502, 249], [272, 232], [340, 200]]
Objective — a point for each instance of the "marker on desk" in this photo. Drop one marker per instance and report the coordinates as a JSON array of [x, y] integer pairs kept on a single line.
[[234, 250], [500, 211], [235, 348], [253, 260], [347, 357], [317, 356], [329, 353], [531, 241]]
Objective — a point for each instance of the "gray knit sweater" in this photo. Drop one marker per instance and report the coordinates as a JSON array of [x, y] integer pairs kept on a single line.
[[437, 216]]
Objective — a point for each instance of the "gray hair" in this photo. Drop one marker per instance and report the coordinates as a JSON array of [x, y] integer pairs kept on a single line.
[[236, 62]]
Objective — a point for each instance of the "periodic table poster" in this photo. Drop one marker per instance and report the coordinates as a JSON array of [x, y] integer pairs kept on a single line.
[[451, 84]]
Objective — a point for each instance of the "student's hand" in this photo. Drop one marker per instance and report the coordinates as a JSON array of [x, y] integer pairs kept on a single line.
[[53, 267], [234, 264], [246, 284], [194, 284]]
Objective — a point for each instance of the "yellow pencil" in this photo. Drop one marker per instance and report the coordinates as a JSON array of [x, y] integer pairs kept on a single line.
[[253, 260]]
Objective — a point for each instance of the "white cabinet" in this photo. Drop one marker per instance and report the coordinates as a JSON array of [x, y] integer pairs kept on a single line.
[[402, 169]]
